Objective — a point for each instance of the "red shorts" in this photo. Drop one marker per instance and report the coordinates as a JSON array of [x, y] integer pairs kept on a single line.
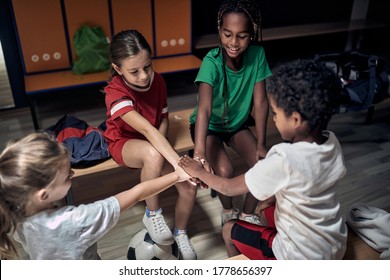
[[115, 149], [255, 241]]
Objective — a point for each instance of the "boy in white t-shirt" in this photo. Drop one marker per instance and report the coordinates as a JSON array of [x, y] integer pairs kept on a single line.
[[302, 172]]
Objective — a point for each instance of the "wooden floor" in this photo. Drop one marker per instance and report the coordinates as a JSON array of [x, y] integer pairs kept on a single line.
[[366, 149]]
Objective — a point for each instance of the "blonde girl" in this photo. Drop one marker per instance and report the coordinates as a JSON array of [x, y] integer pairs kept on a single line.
[[35, 175]]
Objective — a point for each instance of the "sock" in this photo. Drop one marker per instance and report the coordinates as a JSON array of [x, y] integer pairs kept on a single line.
[[152, 212], [179, 231]]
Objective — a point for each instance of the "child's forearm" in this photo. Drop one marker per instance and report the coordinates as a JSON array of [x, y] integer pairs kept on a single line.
[[145, 190], [227, 186], [163, 146]]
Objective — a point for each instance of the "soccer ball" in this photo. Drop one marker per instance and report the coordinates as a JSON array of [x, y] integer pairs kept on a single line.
[[142, 247]]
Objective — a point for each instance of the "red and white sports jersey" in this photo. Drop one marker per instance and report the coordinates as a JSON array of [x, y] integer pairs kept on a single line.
[[121, 99]]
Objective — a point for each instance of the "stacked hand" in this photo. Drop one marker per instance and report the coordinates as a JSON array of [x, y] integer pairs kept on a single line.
[[183, 175], [194, 167]]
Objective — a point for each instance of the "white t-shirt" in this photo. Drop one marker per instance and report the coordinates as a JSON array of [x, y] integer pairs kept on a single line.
[[303, 177], [68, 233]]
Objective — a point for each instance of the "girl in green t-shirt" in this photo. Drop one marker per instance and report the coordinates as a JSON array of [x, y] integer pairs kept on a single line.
[[232, 91]]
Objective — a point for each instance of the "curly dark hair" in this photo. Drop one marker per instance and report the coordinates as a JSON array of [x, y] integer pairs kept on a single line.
[[307, 87]]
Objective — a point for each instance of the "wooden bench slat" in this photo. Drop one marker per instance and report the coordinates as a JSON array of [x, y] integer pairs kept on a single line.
[[60, 80], [179, 130]]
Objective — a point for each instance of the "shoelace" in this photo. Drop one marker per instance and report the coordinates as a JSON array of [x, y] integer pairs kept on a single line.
[[183, 242], [158, 223]]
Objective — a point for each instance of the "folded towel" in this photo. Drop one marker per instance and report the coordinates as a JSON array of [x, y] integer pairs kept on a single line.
[[372, 225]]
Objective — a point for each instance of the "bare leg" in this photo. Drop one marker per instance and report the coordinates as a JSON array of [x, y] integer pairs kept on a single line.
[[141, 154], [184, 204], [221, 164], [185, 201], [244, 143], [231, 249]]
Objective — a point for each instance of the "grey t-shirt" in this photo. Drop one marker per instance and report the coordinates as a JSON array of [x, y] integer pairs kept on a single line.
[[68, 233]]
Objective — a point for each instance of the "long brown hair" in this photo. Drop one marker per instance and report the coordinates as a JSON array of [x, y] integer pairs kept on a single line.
[[125, 44]]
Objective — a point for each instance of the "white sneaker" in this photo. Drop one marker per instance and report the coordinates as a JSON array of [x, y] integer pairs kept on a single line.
[[158, 229], [253, 219], [187, 252], [231, 215]]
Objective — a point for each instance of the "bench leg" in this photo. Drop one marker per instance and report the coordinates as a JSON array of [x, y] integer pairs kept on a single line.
[[33, 112], [213, 193], [370, 114]]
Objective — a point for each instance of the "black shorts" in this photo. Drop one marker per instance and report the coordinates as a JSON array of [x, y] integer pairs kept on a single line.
[[224, 136]]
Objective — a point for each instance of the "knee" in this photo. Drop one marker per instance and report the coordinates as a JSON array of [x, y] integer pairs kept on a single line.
[[224, 170], [187, 189], [153, 158], [227, 231]]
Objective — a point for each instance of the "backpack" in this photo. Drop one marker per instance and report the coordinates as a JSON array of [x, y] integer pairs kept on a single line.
[[364, 77], [85, 144], [92, 50]]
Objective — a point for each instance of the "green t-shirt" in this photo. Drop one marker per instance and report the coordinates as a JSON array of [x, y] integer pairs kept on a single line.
[[240, 86]]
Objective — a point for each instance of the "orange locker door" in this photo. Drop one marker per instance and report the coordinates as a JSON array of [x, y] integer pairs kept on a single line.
[[133, 14], [86, 12], [172, 27], [41, 33]]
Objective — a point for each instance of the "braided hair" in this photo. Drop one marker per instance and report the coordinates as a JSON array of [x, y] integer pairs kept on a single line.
[[250, 10]]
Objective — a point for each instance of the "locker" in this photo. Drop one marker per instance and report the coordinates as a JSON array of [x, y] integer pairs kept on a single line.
[[172, 27], [133, 14], [80, 12], [41, 34]]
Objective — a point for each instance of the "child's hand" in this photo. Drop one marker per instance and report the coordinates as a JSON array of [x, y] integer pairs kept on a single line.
[[261, 153], [183, 176], [190, 165], [194, 166]]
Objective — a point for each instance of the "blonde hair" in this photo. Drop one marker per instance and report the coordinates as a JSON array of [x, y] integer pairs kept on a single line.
[[26, 166]]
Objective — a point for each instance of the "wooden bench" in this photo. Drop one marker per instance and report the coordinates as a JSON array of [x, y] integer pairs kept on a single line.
[[296, 31], [178, 135]]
